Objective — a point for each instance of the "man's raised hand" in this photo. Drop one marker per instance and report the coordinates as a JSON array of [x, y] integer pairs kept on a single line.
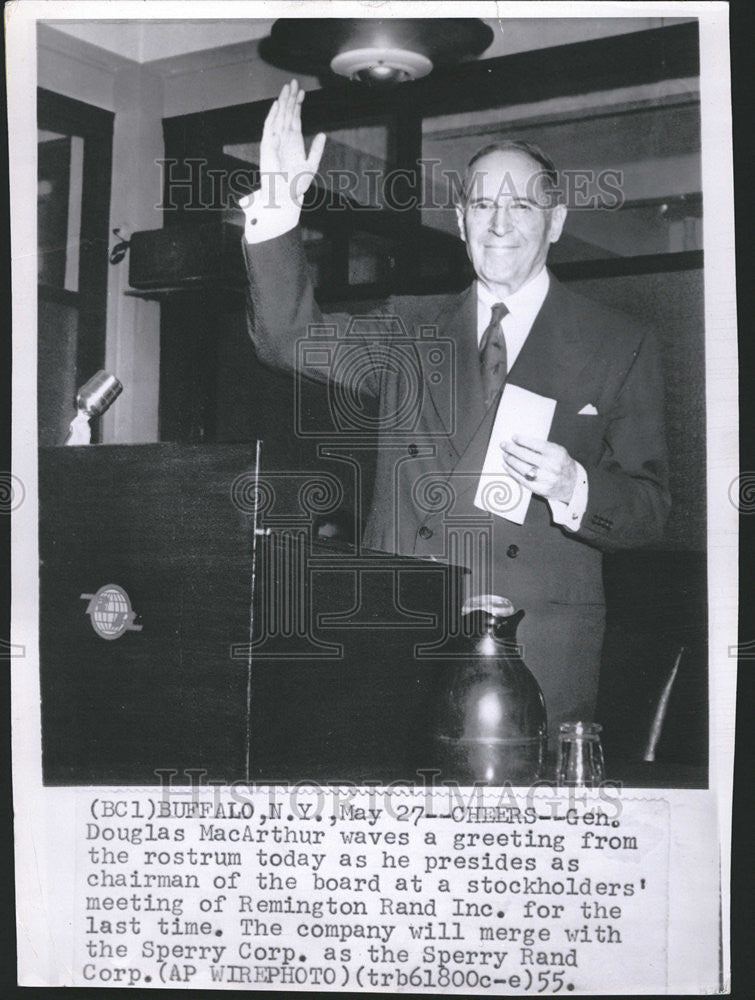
[[283, 160]]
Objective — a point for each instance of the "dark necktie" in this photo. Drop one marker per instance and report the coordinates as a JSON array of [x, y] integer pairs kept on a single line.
[[493, 365]]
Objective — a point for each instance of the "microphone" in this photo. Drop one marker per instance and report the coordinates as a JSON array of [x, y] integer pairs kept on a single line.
[[92, 400]]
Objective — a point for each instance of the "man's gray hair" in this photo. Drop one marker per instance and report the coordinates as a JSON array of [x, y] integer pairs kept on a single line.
[[548, 171]]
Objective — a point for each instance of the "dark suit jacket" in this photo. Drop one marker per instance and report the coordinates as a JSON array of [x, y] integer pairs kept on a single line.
[[435, 427]]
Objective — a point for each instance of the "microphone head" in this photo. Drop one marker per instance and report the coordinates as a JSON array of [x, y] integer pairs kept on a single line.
[[96, 395]]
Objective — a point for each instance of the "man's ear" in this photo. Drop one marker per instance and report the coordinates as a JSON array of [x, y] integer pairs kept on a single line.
[[460, 222], [558, 218]]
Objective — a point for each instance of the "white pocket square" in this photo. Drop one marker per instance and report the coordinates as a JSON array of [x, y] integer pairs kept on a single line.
[[588, 411]]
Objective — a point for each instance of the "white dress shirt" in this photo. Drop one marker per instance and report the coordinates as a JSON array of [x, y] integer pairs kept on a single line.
[[268, 217], [523, 306]]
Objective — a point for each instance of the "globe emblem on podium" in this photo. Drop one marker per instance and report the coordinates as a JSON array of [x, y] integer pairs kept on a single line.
[[110, 612]]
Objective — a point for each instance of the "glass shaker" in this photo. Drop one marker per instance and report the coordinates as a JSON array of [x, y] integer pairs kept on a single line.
[[580, 755]]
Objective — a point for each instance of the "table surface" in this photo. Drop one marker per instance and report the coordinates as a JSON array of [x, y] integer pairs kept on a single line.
[[624, 774]]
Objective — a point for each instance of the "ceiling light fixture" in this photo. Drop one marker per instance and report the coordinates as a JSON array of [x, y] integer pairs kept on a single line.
[[381, 66], [374, 51]]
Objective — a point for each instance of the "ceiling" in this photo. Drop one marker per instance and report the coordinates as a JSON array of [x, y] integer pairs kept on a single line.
[[159, 41], [148, 40]]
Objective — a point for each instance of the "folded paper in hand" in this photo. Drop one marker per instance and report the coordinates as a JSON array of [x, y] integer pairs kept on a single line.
[[519, 412]]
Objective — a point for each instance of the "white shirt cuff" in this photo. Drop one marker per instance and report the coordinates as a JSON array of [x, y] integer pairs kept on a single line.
[[569, 515], [268, 217]]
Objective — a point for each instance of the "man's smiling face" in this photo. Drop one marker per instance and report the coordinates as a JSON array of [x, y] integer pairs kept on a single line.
[[506, 221]]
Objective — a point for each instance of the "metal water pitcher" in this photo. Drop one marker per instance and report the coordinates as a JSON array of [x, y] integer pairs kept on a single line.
[[488, 717]]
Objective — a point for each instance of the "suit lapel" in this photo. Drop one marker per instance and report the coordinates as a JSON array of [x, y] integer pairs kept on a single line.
[[554, 355]]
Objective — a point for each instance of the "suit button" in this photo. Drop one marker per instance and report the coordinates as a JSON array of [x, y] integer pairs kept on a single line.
[[512, 551], [412, 449], [425, 532]]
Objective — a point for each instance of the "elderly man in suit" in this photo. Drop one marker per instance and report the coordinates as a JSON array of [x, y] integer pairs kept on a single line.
[[599, 481]]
